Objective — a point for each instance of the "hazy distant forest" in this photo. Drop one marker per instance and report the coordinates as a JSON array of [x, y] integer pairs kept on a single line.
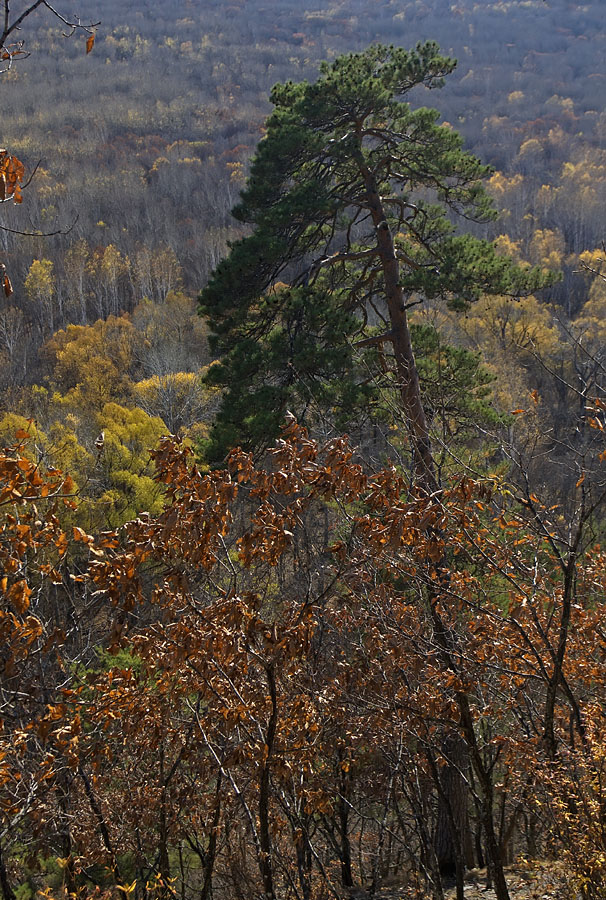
[[363, 655]]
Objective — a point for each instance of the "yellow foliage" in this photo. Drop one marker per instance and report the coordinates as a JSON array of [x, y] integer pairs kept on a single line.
[[592, 264], [500, 185], [129, 432], [12, 423], [500, 322], [112, 478], [589, 327], [67, 452], [583, 182], [179, 399], [124, 468], [111, 263], [594, 259], [90, 364], [506, 247], [547, 248], [40, 280]]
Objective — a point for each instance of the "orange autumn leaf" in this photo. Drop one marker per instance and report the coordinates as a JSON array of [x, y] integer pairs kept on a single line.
[[12, 173], [19, 595]]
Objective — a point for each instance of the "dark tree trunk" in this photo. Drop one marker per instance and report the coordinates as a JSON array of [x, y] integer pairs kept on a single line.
[[7, 891], [163, 858], [264, 791], [408, 377], [426, 481], [343, 811], [453, 818], [211, 853]]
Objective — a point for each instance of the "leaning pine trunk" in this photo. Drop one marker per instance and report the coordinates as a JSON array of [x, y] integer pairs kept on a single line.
[[449, 842]]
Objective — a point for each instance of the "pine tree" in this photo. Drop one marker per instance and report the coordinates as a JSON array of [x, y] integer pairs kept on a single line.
[[352, 198]]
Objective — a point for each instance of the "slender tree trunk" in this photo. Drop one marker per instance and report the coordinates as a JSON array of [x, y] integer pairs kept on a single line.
[[65, 832], [426, 480], [408, 377], [448, 842], [103, 831], [264, 791], [483, 774], [304, 867], [429, 862], [211, 853], [343, 810], [557, 678], [163, 858]]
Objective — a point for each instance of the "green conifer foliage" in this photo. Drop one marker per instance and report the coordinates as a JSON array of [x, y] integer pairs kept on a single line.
[[351, 199]]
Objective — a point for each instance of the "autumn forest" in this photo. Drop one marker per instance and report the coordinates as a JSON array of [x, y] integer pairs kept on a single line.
[[302, 479]]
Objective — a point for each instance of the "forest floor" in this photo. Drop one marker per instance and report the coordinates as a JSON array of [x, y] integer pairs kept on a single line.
[[525, 880]]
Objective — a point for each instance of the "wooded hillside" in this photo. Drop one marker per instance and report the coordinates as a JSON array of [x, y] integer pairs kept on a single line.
[[302, 484]]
